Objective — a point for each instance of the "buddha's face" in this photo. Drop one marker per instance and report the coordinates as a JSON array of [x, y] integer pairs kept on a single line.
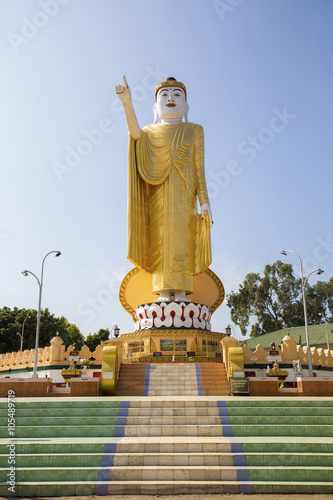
[[170, 103]]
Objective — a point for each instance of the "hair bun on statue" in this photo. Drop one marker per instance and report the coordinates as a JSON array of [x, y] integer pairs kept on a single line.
[[170, 82]]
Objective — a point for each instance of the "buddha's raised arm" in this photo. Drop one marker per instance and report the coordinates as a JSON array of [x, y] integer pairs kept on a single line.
[[124, 94]]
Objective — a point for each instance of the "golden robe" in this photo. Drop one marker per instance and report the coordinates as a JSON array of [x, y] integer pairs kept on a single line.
[[166, 235]]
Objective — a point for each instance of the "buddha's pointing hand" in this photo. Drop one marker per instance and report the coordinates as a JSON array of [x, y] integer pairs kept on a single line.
[[124, 92]]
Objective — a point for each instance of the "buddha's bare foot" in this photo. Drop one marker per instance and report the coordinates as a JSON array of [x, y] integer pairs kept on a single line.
[[180, 296], [165, 296]]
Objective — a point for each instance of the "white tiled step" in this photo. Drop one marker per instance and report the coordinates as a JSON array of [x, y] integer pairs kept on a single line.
[[173, 430], [183, 459], [172, 367], [172, 487], [173, 473], [168, 379], [170, 388], [172, 392], [173, 376], [173, 402], [159, 412], [174, 420], [172, 385], [174, 444]]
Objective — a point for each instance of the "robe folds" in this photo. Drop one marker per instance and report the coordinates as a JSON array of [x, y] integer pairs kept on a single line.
[[166, 235]]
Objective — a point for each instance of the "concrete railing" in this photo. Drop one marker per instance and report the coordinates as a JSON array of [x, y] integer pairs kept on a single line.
[[290, 352], [55, 354]]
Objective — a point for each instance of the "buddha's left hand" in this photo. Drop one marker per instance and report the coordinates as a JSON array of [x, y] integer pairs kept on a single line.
[[206, 208]]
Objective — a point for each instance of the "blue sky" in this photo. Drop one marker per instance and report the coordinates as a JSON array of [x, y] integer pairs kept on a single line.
[[259, 79]]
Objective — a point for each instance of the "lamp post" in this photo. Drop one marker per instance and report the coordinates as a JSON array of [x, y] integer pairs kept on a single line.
[[228, 330], [40, 284], [327, 338], [116, 331], [304, 280], [22, 332]]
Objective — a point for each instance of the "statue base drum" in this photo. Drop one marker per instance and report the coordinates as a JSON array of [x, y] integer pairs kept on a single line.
[[173, 315], [172, 345]]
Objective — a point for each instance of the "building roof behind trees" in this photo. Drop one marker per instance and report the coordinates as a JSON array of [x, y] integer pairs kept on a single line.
[[317, 336]]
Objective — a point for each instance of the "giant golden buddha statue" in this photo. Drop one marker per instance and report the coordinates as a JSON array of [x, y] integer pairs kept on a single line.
[[167, 237]]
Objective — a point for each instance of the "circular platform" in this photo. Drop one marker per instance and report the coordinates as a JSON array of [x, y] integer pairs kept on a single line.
[[136, 289]]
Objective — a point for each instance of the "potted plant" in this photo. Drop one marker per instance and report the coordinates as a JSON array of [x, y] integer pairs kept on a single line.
[[85, 362]]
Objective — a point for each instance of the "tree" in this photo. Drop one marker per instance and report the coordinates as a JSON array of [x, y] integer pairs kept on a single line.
[[276, 300], [11, 321], [320, 299], [94, 339]]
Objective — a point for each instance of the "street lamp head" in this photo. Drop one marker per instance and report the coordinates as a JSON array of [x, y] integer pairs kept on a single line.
[[228, 330], [58, 253], [284, 252], [25, 273], [320, 271]]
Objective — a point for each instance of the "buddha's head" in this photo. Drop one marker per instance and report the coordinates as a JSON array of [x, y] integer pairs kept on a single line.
[[170, 100]]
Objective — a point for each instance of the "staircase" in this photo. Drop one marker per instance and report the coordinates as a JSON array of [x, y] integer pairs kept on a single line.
[[131, 380], [214, 379], [168, 445], [173, 379]]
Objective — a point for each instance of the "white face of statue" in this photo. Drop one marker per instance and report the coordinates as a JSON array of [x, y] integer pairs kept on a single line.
[[170, 103]]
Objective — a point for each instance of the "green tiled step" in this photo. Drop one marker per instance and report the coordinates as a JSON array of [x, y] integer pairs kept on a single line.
[[57, 421], [275, 411], [292, 487], [272, 445], [173, 430], [165, 487], [295, 474], [282, 430], [218, 473], [279, 403], [57, 445], [282, 420], [65, 431], [286, 445], [40, 474], [290, 459], [49, 489], [298, 457], [114, 430], [213, 487], [55, 460], [203, 459], [60, 421], [64, 412], [171, 473]]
